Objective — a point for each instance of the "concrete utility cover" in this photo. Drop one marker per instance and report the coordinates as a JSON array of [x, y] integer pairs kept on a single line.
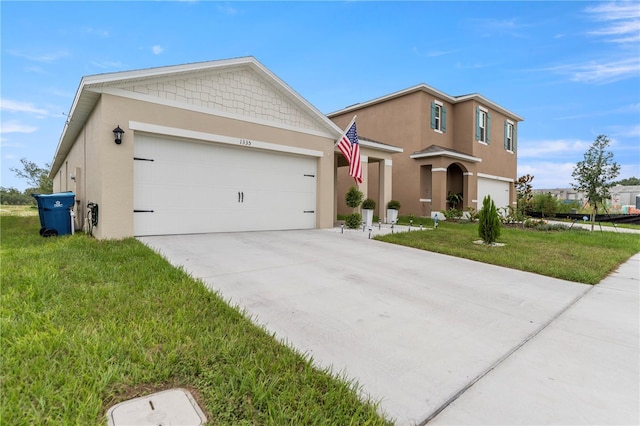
[[170, 407]]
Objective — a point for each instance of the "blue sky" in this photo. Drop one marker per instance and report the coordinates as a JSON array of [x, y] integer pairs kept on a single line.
[[571, 69]]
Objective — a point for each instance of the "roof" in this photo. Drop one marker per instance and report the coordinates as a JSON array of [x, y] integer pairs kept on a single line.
[[91, 87], [370, 143], [428, 89], [438, 151]]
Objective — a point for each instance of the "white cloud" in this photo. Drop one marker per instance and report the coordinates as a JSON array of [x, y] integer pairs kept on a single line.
[[157, 49], [560, 148], [548, 175], [96, 31], [600, 72], [15, 127], [632, 131], [607, 72], [614, 11], [623, 21], [433, 53], [227, 9], [48, 57], [17, 106], [107, 64]]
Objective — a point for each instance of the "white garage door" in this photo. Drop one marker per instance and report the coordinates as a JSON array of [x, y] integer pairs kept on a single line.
[[497, 189], [187, 187]]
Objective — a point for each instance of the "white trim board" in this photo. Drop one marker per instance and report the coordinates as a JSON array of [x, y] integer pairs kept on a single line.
[[227, 140], [501, 178]]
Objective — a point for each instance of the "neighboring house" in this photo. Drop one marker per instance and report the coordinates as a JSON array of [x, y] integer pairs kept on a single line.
[[207, 147], [464, 145], [624, 198]]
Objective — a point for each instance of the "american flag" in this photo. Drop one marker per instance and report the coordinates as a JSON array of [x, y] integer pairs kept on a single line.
[[350, 148]]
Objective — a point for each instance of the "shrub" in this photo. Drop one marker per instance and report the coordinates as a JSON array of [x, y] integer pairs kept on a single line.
[[369, 204], [354, 197], [393, 205], [453, 213], [471, 214], [546, 204], [353, 220], [489, 221]]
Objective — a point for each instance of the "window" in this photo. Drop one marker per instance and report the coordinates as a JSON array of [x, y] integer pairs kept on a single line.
[[438, 116], [509, 136], [483, 125]]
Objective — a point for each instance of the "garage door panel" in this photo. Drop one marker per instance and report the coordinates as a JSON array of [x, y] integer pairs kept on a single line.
[[197, 187], [497, 189]]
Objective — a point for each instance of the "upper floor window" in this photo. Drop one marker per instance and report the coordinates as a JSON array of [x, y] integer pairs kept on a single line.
[[483, 125], [509, 136], [438, 116]]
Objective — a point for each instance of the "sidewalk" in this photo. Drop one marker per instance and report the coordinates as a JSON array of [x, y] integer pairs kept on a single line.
[[597, 227], [583, 368]]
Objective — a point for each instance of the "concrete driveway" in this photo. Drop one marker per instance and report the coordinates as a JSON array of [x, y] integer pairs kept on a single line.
[[422, 332]]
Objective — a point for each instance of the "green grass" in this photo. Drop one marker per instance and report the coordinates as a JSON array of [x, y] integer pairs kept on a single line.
[[86, 324], [577, 255], [22, 210]]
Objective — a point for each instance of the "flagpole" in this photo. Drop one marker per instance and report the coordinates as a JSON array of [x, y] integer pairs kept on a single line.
[[345, 132]]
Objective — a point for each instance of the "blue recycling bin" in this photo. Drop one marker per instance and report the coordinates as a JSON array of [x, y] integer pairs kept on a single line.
[[55, 213]]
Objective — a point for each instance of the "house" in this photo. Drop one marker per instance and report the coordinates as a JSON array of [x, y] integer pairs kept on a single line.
[[624, 198], [460, 145], [214, 146]]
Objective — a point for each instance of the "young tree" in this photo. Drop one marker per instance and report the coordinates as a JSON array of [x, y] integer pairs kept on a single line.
[[595, 174], [524, 194], [36, 176], [488, 221]]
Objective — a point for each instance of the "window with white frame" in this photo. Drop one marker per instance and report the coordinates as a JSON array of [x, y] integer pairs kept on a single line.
[[509, 136], [438, 116], [483, 125]]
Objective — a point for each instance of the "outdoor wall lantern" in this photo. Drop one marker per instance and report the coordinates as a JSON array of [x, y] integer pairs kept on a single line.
[[118, 132]]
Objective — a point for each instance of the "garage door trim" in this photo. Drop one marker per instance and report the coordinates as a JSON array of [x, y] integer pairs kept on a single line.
[[221, 139]]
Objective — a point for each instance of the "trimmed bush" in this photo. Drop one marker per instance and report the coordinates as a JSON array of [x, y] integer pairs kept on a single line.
[[353, 220], [489, 221], [369, 204], [354, 197], [393, 205]]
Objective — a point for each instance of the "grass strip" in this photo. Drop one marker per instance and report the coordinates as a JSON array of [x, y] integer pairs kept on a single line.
[[87, 324], [576, 255]]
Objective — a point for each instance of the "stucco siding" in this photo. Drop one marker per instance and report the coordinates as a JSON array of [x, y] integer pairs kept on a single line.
[[113, 190]]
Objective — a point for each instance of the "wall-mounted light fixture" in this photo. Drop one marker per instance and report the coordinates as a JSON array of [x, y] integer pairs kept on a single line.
[[118, 132]]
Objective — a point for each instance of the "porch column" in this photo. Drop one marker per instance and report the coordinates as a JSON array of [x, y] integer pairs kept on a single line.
[[384, 185], [439, 189], [364, 186], [468, 190]]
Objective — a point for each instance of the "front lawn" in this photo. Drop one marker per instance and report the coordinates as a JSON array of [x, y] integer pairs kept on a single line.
[[86, 324], [576, 255]]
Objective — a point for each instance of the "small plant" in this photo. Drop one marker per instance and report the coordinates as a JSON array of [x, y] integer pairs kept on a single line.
[[453, 214], [533, 223], [353, 220], [489, 221], [471, 214], [393, 205], [354, 197], [454, 199], [510, 215], [369, 204]]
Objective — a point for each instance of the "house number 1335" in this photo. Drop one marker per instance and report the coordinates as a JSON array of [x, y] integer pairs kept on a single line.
[[245, 142]]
